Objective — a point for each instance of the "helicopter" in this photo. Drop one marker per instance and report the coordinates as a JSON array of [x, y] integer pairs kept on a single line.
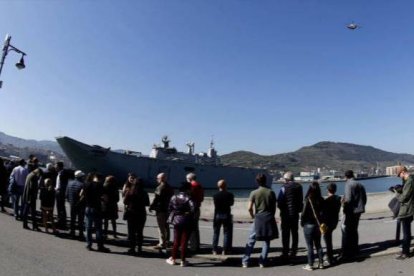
[[353, 26]]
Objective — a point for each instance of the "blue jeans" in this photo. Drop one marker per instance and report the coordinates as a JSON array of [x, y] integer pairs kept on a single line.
[[16, 206], [226, 221], [313, 237], [93, 218], [250, 245]]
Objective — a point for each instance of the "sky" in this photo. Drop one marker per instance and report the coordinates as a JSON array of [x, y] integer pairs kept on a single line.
[[266, 76]]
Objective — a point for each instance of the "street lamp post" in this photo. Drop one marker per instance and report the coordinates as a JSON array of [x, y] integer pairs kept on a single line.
[[6, 49]]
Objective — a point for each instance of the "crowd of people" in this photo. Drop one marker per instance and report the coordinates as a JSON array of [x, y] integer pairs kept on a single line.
[[93, 204]]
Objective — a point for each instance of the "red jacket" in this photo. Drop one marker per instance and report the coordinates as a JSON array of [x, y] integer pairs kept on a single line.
[[197, 193]]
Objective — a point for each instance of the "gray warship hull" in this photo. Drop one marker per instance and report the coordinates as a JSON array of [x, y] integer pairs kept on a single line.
[[97, 159]]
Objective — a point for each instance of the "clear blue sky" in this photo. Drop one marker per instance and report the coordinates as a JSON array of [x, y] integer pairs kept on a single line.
[[264, 76]]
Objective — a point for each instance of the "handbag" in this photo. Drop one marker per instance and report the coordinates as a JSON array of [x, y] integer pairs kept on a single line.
[[394, 206], [323, 228]]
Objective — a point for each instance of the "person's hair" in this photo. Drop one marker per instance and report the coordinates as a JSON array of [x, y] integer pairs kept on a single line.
[[191, 176], [89, 177], [110, 180], [331, 188], [49, 184], [22, 162], [60, 165], [349, 174], [221, 184], [261, 179], [38, 171], [131, 174], [314, 191], [98, 176], [288, 176], [185, 187], [49, 166]]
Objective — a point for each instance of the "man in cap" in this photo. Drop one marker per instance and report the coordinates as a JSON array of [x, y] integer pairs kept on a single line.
[[406, 212], [77, 207], [353, 203]]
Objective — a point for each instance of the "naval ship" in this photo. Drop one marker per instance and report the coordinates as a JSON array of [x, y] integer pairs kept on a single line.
[[163, 158]]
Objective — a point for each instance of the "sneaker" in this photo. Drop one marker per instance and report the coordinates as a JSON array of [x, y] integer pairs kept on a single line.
[[261, 265], [159, 246], [214, 252], [104, 249], [131, 251], [184, 263], [245, 265], [170, 261], [308, 267], [326, 263], [321, 266], [402, 257]]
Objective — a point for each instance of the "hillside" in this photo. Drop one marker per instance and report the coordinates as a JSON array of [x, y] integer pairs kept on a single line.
[[327, 155], [23, 143], [14, 146]]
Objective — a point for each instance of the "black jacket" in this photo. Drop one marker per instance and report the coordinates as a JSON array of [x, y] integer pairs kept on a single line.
[[290, 199]]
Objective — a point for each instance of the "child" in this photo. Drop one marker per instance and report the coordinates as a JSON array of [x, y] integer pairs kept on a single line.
[[332, 205], [47, 198]]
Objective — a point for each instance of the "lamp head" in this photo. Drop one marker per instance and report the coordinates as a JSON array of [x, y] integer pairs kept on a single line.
[[20, 65]]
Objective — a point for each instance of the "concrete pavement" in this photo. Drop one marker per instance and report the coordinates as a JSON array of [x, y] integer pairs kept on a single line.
[[37, 253]]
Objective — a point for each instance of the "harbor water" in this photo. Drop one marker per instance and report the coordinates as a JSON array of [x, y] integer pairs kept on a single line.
[[375, 185]]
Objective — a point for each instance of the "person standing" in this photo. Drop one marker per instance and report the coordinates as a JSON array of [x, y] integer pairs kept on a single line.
[[331, 208], [353, 204], [223, 200], [311, 218], [110, 206], [93, 192], [61, 184], [264, 228], [135, 200], [77, 206], [290, 203], [47, 203], [406, 212], [162, 197], [3, 185], [181, 216], [16, 186], [197, 195], [29, 198]]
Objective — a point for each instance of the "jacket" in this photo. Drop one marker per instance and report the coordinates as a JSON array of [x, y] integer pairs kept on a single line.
[[406, 198], [162, 197], [355, 197], [181, 210], [265, 226], [290, 199]]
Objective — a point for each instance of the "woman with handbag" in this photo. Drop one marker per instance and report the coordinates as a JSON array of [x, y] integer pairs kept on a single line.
[[312, 225], [181, 216]]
